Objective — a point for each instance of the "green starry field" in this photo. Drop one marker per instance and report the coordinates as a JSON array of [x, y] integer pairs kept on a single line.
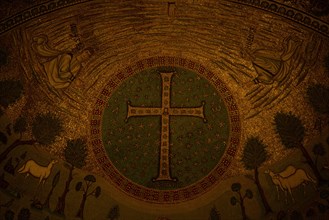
[[196, 147]]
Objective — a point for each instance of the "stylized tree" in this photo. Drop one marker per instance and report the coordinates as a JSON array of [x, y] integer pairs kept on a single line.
[[24, 214], [292, 132], [89, 181], [20, 126], [318, 97], [236, 187], [254, 155], [10, 92], [114, 213], [45, 129], [214, 215], [318, 150], [53, 185], [75, 154]]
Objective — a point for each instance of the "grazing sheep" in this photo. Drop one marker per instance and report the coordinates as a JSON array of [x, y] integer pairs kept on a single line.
[[285, 173], [36, 170], [287, 183]]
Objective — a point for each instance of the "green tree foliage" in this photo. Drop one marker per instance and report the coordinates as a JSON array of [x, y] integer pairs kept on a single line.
[[290, 129], [214, 215], [89, 180], [318, 97], [236, 187], [114, 213], [24, 214], [10, 92], [292, 132], [46, 127], [254, 155], [75, 154], [20, 125]]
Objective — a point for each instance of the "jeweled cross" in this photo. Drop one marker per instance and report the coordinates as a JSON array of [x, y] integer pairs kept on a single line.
[[165, 111]]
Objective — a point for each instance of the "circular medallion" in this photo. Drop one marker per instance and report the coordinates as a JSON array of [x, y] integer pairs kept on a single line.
[[165, 129]]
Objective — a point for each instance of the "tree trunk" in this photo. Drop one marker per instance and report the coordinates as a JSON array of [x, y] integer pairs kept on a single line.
[[311, 164], [60, 207], [16, 143], [46, 203], [82, 206], [243, 208], [261, 192]]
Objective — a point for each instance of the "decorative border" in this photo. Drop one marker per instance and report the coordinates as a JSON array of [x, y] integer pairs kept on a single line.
[[290, 13], [153, 195], [33, 12]]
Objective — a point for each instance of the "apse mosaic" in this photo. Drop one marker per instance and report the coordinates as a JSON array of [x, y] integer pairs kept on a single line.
[[164, 110]]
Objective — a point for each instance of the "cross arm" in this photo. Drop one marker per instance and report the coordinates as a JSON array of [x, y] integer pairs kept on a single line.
[[189, 111], [133, 111]]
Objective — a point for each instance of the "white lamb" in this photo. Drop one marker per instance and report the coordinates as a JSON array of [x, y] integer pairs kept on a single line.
[[36, 170]]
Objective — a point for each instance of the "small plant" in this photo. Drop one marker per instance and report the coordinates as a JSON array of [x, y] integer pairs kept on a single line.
[[214, 215], [114, 213], [89, 181], [236, 187]]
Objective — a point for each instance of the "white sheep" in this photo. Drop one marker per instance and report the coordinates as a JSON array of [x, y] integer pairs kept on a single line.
[[36, 170], [299, 177], [285, 173]]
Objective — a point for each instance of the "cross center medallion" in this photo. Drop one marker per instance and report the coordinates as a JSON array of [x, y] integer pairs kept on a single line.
[[165, 133]]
